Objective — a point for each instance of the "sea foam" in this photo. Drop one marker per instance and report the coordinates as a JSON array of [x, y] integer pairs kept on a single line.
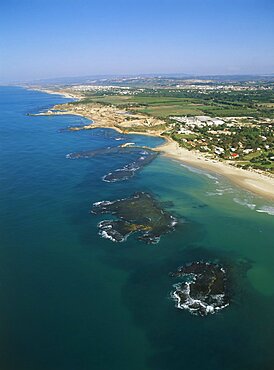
[[266, 209]]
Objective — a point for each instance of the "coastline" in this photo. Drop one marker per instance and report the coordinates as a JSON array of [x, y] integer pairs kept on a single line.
[[62, 93], [254, 182], [249, 180]]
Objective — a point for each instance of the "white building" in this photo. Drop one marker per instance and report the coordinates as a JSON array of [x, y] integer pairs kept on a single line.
[[199, 121], [219, 150]]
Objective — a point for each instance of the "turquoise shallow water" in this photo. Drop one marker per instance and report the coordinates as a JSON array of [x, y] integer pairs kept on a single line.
[[72, 300]]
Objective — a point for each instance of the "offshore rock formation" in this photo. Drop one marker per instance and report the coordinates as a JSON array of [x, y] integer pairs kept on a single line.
[[139, 214], [203, 290], [143, 157]]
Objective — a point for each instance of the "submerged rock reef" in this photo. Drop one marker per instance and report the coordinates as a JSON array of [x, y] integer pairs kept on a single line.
[[203, 290], [143, 157], [140, 214]]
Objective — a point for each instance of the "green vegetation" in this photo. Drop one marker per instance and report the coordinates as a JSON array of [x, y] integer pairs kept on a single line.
[[247, 140], [248, 146], [162, 102]]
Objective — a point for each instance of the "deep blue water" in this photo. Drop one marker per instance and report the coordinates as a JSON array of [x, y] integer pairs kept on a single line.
[[70, 300]]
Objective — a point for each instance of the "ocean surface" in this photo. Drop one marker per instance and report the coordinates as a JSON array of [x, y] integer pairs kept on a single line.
[[71, 300]]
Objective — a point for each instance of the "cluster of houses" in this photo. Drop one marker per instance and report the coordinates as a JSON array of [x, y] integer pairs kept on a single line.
[[207, 85], [119, 90], [199, 121], [233, 154], [187, 126]]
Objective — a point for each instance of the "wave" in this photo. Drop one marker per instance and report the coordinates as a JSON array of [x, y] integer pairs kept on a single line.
[[266, 209], [245, 202], [198, 171], [219, 192]]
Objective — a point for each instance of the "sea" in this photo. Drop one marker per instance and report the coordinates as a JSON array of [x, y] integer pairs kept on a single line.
[[72, 300]]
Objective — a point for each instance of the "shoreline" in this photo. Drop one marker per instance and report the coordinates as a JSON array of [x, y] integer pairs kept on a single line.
[[252, 181], [64, 94]]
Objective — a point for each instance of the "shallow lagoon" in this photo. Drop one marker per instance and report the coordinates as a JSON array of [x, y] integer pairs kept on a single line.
[[72, 300]]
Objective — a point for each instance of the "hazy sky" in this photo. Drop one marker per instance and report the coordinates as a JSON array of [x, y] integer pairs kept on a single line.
[[53, 38]]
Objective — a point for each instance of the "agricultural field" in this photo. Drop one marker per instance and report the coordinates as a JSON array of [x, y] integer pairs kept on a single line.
[[163, 103]]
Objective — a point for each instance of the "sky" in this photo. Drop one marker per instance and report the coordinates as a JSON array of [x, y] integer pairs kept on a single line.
[[63, 38]]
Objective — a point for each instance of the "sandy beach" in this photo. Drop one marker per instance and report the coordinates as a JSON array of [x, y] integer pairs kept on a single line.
[[249, 180], [62, 93], [111, 117]]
